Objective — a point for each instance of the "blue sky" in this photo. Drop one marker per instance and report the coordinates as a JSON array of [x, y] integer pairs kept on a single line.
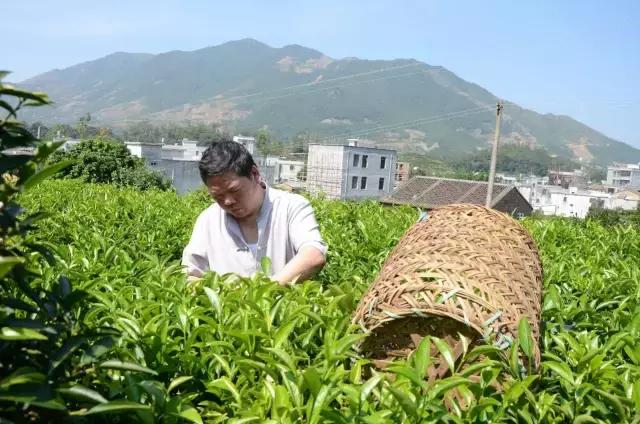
[[579, 58]]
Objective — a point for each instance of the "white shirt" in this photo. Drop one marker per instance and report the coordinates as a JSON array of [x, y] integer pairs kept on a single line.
[[286, 222]]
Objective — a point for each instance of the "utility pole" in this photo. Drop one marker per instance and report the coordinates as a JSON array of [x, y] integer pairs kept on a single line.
[[494, 154]]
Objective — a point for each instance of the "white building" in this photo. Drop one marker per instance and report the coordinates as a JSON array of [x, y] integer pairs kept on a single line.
[[248, 142], [351, 171], [179, 162], [573, 202], [288, 170], [623, 175]]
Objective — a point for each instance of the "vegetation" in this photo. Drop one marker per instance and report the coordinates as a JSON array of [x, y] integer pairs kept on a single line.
[[108, 161], [516, 160], [612, 218], [247, 349], [172, 133], [45, 342]]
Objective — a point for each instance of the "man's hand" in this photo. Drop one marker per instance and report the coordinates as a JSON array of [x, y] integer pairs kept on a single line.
[[304, 265]]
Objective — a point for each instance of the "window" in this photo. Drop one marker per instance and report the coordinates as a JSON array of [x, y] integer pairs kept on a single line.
[[356, 160], [290, 167], [381, 184], [365, 159], [363, 183], [383, 162], [354, 182]]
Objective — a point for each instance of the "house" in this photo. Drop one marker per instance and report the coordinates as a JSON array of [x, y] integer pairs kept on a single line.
[[566, 179], [432, 192], [574, 202], [625, 199], [403, 170], [248, 142], [179, 162], [623, 175], [350, 172], [288, 170]]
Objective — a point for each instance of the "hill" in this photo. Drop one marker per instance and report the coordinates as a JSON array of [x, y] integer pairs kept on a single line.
[[246, 85]]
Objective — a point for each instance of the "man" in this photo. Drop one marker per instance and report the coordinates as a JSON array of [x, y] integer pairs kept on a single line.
[[249, 221]]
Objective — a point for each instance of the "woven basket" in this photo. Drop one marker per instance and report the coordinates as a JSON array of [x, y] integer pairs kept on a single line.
[[465, 270]]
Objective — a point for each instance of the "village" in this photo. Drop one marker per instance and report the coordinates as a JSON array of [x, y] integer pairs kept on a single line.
[[356, 170]]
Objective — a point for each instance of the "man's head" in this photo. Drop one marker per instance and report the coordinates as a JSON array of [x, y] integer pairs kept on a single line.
[[232, 178]]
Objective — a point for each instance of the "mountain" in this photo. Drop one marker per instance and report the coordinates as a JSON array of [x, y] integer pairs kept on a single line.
[[246, 85]]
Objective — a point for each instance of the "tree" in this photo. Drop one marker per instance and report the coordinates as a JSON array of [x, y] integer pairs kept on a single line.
[[109, 162], [82, 126]]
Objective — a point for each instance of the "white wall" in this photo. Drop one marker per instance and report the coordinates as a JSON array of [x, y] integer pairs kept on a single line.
[[287, 170], [355, 173], [325, 165]]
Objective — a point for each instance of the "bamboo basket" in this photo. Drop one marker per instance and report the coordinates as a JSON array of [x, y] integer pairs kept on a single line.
[[465, 270]]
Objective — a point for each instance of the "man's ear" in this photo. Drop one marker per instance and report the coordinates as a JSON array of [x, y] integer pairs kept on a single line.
[[255, 174]]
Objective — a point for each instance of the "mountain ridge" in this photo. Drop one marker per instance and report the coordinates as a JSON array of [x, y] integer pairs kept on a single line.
[[246, 84]]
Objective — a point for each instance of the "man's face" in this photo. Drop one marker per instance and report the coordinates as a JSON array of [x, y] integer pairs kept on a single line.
[[239, 196]]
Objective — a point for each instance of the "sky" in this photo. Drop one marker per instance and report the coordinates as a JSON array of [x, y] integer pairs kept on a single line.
[[577, 58]]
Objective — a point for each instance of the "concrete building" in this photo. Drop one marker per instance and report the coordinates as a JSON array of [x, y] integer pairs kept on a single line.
[[574, 202], [350, 172], [567, 179], [623, 175], [248, 142], [288, 170], [179, 162]]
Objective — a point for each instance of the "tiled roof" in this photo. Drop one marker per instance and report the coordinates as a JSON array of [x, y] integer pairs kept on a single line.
[[431, 192]]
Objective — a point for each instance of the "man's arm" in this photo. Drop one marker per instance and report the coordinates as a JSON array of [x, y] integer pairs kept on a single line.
[[304, 265], [310, 250], [194, 255]]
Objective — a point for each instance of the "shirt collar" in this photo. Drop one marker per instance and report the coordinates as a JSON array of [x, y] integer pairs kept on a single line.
[[267, 204]]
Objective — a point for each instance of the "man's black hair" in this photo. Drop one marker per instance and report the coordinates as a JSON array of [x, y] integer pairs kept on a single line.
[[224, 156]]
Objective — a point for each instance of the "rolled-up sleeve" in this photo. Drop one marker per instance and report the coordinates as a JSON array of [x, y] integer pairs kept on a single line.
[[303, 227], [194, 257]]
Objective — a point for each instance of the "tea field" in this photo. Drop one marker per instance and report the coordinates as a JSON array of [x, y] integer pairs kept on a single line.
[[140, 345]]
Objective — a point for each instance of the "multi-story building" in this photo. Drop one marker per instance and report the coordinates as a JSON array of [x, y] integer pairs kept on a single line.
[[623, 175], [350, 172]]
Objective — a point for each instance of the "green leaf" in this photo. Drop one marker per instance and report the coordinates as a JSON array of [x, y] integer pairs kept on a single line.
[[313, 380], [214, 299], [22, 376], [7, 263], [117, 407], [9, 333], [227, 385], [115, 364], [97, 349], [191, 414], [176, 382], [446, 352], [45, 173], [283, 356], [408, 405], [422, 356], [82, 393], [65, 351], [525, 337], [265, 265], [560, 369], [369, 385], [585, 419]]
